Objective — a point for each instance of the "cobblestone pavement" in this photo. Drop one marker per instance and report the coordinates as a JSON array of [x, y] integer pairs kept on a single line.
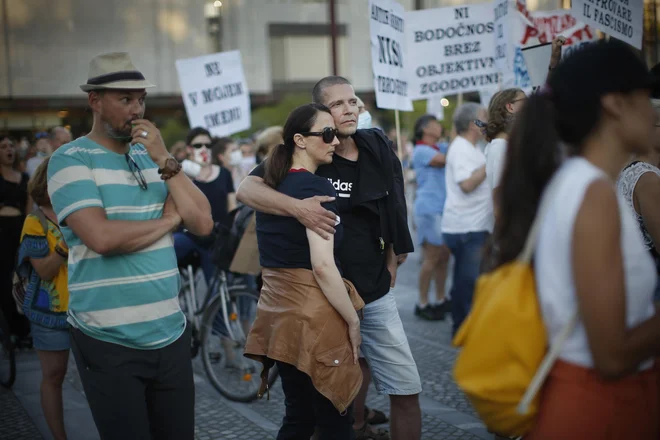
[[15, 423], [446, 412]]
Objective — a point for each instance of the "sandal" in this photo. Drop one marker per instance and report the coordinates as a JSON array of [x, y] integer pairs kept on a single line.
[[369, 433], [378, 418]]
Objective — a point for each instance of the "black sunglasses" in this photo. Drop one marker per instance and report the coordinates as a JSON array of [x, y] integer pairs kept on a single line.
[[480, 124], [200, 145], [136, 171], [328, 134]]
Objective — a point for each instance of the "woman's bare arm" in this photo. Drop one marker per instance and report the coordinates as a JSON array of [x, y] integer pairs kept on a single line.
[[600, 287]]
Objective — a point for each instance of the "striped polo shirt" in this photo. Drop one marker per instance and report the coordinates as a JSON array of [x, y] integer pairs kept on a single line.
[[128, 299]]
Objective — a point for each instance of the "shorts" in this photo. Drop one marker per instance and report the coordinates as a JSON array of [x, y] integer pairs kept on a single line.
[[429, 229], [386, 348], [50, 339]]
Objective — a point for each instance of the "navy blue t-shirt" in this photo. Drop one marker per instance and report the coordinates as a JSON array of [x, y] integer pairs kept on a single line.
[[216, 191], [283, 240]]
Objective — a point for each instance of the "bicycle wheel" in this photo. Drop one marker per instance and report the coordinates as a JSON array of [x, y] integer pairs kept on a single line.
[[7, 359], [233, 375]]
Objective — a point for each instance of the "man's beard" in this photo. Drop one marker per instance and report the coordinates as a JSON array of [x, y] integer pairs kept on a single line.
[[119, 134]]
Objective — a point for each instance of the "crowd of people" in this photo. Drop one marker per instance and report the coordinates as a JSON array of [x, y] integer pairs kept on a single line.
[[98, 225]]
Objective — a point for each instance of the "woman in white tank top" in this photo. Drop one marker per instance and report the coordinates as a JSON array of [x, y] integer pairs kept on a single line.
[[590, 255]]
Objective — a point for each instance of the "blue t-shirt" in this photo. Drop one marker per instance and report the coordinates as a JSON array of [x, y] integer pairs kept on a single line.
[[431, 187], [283, 240]]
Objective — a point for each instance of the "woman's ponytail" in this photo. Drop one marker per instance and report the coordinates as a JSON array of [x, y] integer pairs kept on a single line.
[[277, 165]]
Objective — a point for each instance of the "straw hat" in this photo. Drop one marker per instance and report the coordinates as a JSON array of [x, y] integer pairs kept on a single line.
[[114, 71]]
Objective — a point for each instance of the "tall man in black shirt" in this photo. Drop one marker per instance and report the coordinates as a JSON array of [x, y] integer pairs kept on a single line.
[[368, 180]]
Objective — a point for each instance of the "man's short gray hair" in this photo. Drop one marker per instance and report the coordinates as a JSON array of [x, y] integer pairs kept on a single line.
[[465, 114], [318, 95], [55, 130]]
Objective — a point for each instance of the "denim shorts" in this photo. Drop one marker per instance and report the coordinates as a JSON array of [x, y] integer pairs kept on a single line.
[[49, 339], [386, 348], [429, 229]]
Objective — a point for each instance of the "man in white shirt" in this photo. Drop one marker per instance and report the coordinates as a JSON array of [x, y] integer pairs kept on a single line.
[[468, 213]]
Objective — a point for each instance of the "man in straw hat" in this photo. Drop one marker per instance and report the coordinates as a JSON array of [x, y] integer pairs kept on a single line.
[[118, 195]]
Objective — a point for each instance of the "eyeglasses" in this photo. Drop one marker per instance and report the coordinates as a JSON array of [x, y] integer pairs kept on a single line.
[[136, 171], [519, 99], [200, 145], [41, 135], [328, 134], [480, 124]]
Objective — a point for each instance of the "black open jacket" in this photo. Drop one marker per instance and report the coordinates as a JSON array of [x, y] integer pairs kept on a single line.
[[381, 179]]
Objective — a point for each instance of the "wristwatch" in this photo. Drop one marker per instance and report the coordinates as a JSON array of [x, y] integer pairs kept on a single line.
[[170, 168]]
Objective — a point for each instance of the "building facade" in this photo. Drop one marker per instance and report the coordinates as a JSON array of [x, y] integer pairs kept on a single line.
[[46, 46]]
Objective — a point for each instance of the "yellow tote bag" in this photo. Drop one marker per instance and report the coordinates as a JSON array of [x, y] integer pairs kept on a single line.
[[504, 358]]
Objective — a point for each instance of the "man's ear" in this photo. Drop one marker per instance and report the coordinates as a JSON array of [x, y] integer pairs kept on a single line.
[[94, 100]]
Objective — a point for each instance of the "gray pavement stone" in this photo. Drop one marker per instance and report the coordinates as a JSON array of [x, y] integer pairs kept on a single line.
[[15, 423]]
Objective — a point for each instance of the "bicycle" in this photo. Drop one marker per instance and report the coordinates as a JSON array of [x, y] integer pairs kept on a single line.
[[7, 358], [220, 326]]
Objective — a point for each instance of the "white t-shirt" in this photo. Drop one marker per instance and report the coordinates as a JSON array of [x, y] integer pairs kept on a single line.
[[495, 156], [554, 271], [465, 212]]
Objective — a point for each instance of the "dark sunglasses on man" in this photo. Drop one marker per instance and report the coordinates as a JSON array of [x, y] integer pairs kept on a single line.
[[328, 134], [200, 145]]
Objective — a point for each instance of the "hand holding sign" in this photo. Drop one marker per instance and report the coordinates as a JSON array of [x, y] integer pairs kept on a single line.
[[555, 57]]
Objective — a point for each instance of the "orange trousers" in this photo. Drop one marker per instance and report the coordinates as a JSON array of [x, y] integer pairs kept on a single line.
[[576, 404]]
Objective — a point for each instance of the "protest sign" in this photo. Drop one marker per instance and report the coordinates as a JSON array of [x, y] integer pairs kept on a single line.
[[537, 60], [215, 93], [540, 27], [621, 19], [504, 43], [386, 26], [450, 50]]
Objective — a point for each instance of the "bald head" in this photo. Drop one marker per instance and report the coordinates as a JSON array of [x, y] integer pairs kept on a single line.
[[58, 137]]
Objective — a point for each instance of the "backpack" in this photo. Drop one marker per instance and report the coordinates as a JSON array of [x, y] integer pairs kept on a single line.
[[20, 282], [228, 239], [506, 354]]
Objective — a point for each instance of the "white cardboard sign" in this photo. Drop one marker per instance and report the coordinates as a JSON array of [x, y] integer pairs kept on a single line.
[[215, 92], [505, 43], [450, 50], [386, 27], [621, 19]]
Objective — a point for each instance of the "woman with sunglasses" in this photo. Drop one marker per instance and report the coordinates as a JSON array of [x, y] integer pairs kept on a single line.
[[306, 318], [217, 185], [14, 202]]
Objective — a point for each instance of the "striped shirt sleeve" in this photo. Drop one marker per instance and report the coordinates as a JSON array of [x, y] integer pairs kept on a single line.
[[71, 184]]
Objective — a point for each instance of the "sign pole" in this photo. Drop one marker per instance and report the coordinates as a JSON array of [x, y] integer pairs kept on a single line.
[[399, 147]]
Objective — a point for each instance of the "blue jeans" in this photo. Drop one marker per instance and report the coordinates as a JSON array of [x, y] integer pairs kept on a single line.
[[466, 249], [184, 245]]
